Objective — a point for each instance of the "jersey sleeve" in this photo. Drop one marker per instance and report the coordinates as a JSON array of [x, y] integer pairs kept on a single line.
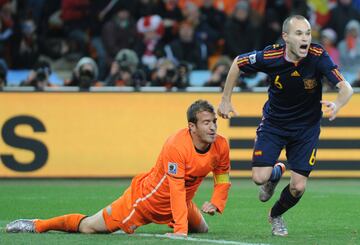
[[329, 69], [250, 62], [174, 165], [221, 179]]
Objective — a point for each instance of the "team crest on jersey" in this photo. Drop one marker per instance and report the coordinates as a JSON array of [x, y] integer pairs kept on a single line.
[[309, 83], [172, 168], [252, 58]]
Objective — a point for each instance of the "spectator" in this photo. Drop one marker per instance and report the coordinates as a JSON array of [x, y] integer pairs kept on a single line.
[[169, 76], [33, 7], [76, 18], [183, 70], [341, 15], [186, 49], [145, 8], [26, 50], [204, 33], [226, 5], [214, 17], [349, 49], [328, 40], [6, 30], [3, 73], [97, 49], [124, 70], [171, 16], [357, 81], [219, 73], [119, 32], [149, 49], [271, 31], [39, 76], [85, 75], [299, 7], [52, 38], [241, 35]]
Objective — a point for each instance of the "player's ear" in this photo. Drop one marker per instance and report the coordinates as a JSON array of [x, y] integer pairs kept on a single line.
[[191, 126], [284, 36]]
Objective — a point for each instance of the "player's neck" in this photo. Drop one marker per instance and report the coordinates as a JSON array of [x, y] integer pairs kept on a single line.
[[290, 57], [199, 145]]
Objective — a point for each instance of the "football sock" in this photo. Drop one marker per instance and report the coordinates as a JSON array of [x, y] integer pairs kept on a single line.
[[276, 173], [285, 202], [68, 223]]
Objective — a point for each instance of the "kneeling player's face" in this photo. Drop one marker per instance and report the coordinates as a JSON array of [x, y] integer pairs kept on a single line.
[[206, 127], [298, 38]]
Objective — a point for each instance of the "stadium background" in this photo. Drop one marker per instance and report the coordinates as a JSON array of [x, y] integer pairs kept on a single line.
[[50, 131], [118, 128], [107, 134]]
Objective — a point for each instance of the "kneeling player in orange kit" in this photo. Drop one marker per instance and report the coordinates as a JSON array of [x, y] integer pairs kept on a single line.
[[164, 194]]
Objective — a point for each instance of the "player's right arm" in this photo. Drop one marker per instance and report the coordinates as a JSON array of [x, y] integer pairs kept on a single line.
[[225, 108], [174, 165], [248, 62]]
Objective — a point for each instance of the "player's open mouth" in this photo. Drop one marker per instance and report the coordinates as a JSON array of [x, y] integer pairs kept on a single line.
[[304, 47]]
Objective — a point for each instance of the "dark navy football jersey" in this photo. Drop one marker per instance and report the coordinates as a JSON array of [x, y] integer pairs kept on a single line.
[[295, 88]]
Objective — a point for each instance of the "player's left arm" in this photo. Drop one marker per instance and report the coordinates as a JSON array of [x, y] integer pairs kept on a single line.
[[343, 97], [330, 70], [221, 183]]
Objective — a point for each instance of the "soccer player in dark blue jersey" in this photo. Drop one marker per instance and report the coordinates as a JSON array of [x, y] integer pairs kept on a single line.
[[292, 114]]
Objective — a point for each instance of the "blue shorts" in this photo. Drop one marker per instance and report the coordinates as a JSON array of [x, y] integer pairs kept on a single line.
[[300, 146]]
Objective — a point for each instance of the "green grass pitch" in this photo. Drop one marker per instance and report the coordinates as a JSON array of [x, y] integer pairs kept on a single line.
[[329, 212]]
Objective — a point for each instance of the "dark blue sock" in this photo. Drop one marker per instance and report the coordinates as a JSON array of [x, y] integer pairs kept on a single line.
[[285, 202], [275, 174]]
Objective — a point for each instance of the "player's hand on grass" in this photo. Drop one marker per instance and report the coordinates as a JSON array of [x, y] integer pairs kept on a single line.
[[176, 235], [331, 109], [226, 110], [208, 208]]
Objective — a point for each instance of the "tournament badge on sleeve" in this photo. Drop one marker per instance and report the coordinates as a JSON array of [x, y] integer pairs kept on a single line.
[[172, 168]]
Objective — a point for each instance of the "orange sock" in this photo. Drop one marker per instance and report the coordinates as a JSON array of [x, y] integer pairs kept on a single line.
[[68, 223]]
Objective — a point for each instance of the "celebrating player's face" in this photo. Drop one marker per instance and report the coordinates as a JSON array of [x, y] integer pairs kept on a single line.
[[205, 128], [298, 39]]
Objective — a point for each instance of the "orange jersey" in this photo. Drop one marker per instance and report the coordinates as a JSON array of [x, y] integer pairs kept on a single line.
[[164, 192]]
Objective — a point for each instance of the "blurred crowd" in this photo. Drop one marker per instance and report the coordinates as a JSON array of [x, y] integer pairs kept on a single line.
[[160, 42]]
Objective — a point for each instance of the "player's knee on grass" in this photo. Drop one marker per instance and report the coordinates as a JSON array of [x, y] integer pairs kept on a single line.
[[196, 221], [202, 227]]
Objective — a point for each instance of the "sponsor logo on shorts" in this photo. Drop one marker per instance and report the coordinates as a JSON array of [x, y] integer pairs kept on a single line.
[[172, 168], [258, 153]]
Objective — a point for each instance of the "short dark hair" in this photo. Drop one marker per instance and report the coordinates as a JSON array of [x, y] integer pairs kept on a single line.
[[196, 107], [285, 26]]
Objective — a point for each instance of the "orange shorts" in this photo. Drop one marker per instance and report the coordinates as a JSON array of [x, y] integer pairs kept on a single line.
[[122, 214]]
